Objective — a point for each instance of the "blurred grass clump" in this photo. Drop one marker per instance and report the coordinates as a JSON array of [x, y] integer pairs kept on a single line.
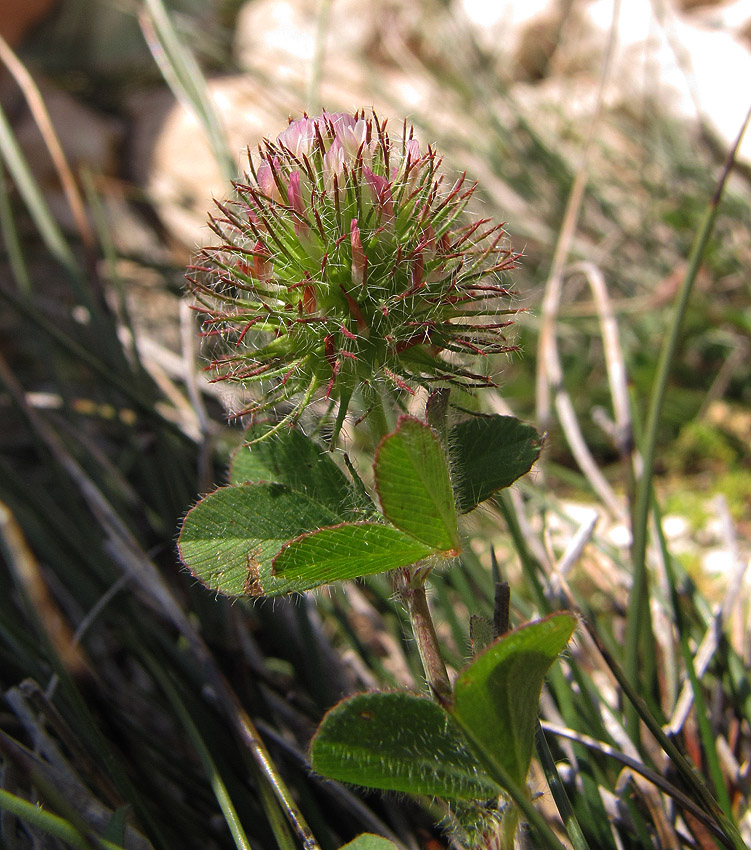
[[139, 709]]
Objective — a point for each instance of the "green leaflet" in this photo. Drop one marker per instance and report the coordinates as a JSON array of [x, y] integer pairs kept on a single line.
[[291, 519], [489, 453], [466, 751], [229, 538], [289, 457], [348, 551], [368, 841], [497, 695], [398, 742], [413, 485]]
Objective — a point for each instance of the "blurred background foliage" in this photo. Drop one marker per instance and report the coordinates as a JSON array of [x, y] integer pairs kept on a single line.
[[112, 716]]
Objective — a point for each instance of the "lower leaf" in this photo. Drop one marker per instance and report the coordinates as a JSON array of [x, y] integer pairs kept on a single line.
[[398, 742], [368, 841], [496, 698]]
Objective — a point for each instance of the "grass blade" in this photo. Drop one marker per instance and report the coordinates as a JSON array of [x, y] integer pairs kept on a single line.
[[204, 754], [184, 77], [49, 823], [684, 767], [562, 802], [30, 192], [638, 616]]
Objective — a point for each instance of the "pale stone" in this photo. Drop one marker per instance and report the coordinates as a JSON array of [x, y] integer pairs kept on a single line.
[[579, 513], [171, 158], [522, 35], [694, 64], [717, 562], [279, 37], [372, 59], [692, 71], [619, 536], [504, 19], [675, 526]]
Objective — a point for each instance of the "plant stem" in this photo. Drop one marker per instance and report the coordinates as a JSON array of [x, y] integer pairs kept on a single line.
[[519, 794], [416, 600]]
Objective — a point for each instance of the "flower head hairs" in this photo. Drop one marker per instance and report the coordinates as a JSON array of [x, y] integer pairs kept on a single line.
[[344, 260]]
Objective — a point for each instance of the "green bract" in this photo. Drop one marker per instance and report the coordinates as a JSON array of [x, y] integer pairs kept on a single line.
[[344, 258]]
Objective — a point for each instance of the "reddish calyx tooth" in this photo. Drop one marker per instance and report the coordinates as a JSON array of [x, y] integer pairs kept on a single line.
[[309, 299]]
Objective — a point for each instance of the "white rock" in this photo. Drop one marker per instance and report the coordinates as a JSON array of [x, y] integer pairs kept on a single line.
[[675, 526], [171, 158], [579, 513], [733, 17], [487, 14], [694, 65], [691, 71], [372, 59], [619, 535], [718, 562], [521, 34], [279, 37], [276, 36], [710, 71]]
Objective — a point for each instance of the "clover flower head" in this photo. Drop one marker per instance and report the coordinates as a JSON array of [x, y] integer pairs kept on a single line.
[[344, 259]]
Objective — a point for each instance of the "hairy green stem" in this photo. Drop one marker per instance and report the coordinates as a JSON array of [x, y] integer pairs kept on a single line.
[[410, 582], [546, 838]]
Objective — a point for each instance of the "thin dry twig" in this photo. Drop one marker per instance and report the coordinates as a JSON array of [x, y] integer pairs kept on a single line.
[[574, 437], [614, 359], [31, 582], [41, 116], [552, 297]]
